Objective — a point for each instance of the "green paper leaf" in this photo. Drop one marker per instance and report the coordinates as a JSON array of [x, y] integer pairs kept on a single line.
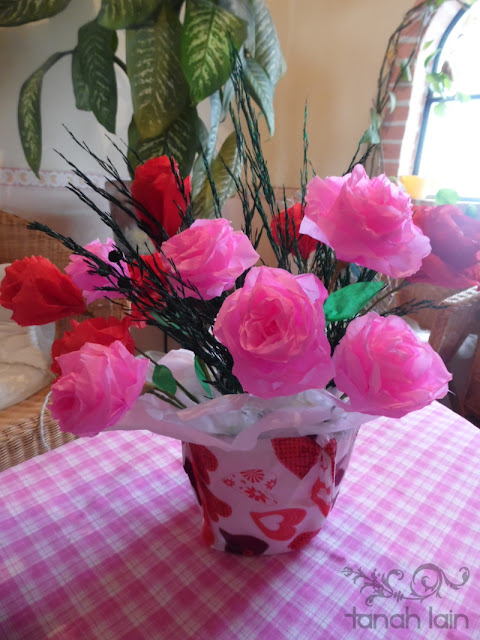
[[228, 155], [29, 115], [16, 12], [267, 51], [163, 322], [261, 89], [159, 88], [205, 48], [446, 196], [201, 373], [348, 301], [80, 86], [180, 140], [122, 14], [96, 48], [163, 379]]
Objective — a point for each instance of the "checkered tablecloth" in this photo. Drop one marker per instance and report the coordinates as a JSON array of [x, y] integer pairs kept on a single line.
[[100, 539]]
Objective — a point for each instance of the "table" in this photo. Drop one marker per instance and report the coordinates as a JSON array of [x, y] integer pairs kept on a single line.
[[100, 539]]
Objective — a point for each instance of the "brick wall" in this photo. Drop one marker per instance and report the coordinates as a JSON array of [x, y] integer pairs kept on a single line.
[[400, 128]]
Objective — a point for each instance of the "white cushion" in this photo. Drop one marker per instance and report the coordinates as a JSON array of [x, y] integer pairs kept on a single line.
[[24, 357]]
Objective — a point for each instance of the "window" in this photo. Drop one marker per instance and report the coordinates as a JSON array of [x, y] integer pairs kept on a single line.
[[448, 152]]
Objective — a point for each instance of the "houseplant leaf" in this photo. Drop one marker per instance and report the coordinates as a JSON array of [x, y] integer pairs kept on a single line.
[[180, 140], [96, 47], [122, 14], [159, 88], [208, 140], [16, 12], [243, 10], [205, 47], [80, 86], [29, 116], [227, 162], [267, 46], [261, 88], [348, 301]]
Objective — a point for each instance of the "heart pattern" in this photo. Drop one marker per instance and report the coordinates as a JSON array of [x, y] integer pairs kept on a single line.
[[215, 507], [322, 501], [244, 545], [283, 522], [272, 499], [204, 461], [298, 455], [302, 540]]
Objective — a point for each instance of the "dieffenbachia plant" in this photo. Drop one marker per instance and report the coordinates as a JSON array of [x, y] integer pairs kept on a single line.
[[178, 53]]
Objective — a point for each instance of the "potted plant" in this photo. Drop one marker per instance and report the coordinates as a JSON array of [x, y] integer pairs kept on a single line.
[[178, 53]]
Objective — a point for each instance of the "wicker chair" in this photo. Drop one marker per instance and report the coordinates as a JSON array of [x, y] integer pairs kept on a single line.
[[449, 327], [20, 437]]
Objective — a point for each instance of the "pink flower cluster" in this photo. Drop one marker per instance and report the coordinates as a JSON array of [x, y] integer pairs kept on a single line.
[[368, 222], [274, 324], [274, 327]]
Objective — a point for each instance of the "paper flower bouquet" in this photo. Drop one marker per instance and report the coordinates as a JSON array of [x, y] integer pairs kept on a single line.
[[278, 365]]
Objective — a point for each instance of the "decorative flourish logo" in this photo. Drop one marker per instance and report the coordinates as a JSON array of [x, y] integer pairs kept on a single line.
[[426, 581]]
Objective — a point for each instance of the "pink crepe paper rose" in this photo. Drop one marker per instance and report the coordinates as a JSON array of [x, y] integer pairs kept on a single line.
[[79, 271], [210, 256], [368, 222], [98, 385], [385, 369], [274, 327]]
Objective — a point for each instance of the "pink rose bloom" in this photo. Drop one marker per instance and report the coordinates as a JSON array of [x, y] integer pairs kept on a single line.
[[79, 271], [385, 369], [209, 255], [368, 222], [98, 385], [274, 327]]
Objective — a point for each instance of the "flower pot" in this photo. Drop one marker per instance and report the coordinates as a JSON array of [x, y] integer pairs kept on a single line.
[[271, 499]]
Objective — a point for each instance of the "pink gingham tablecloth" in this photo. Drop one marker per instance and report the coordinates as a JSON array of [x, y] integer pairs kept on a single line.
[[100, 539]]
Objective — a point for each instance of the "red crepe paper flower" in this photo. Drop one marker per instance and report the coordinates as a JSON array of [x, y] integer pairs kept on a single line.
[[38, 292], [103, 331], [290, 220], [155, 187], [455, 240], [144, 280]]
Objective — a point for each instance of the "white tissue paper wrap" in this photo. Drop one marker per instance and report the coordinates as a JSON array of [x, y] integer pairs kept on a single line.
[[24, 357], [235, 422]]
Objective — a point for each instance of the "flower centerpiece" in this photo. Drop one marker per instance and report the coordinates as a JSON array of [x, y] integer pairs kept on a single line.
[[278, 366]]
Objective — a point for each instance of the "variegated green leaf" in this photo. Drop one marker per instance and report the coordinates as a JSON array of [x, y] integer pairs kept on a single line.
[[180, 141], [159, 88], [29, 116], [15, 12], [122, 14], [207, 33], [228, 93], [209, 145], [80, 87], [267, 47], [228, 156], [198, 169], [261, 89], [243, 10], [96, 47]]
